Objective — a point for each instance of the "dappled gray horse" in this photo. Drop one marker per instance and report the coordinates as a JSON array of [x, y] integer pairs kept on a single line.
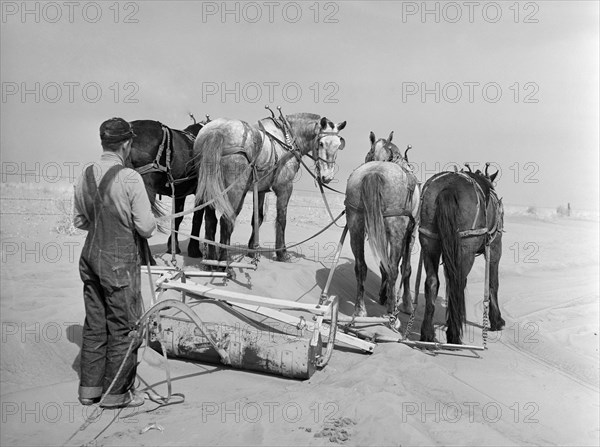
[[382, 201], [233, 155]]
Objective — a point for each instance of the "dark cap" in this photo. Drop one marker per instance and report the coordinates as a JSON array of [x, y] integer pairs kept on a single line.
[[115, 130]]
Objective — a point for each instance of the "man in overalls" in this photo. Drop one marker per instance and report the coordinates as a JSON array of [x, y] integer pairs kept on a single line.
[[111, 203]]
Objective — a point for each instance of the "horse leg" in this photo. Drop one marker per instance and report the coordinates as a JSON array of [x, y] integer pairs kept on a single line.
[[356, 225], [431, 261], [194, 244], [395, 255], [496, 320], [236, 197], [261, 214], [283, 198], [179, 204], [383, 288], [210, 231], [226, 230], [395, 232], [467, 257], [144, 248], [407, 244]]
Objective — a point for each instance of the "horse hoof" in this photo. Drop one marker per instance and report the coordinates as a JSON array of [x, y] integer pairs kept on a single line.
[[498, 326], [284, 257], [430, 338], [360, 313], [453, 340]]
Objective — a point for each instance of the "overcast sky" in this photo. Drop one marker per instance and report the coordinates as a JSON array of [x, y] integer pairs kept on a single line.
[[515, 84]]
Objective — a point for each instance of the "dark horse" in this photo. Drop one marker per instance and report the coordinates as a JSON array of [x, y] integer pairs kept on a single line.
[[160, 154], [382, 201], [233, 155], [461, 217]]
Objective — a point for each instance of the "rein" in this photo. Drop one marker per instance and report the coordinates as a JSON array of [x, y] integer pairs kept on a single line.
[[290, 147], [263, 250]]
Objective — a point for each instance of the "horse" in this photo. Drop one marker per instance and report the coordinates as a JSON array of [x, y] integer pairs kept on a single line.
[[461, 217], [382, 200], [161, 155], [234, 155]]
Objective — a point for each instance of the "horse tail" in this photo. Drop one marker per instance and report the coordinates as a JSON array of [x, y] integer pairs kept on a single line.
[[210, 176], [446, 222], [160, 210], [372, 202]]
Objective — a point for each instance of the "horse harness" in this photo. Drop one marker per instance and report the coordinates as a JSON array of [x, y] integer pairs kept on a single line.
[[490, 233], [396, 212], [291, 146], [156, 166]]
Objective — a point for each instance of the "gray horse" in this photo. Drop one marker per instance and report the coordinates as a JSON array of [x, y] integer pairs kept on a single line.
[[382, 200], [233, 155]]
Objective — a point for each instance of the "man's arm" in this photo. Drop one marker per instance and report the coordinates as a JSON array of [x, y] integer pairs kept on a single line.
[[79, 219], [141, 210]]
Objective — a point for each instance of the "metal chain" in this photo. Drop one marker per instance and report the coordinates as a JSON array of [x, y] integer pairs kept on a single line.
[[410, 322], [485, 323]]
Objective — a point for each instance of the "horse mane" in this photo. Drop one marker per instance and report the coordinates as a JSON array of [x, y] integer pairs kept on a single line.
[[304, 129], [194, 128], [304, 115], [396, 155]]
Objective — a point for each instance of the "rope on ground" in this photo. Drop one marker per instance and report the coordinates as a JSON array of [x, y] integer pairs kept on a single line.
[[135, 337], [262, 250]]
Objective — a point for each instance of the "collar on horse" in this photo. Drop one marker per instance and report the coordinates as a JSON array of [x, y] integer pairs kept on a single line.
[[288, 146], [165, 151], [156, 166]]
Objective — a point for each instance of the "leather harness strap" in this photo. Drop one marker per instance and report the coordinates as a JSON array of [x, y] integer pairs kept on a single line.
[[473, 232]]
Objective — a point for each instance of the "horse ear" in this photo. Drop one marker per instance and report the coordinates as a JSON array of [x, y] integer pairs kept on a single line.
[[390, 137], [342, 144], [324, 122], [372, 138], [493, 176], [341, 125]]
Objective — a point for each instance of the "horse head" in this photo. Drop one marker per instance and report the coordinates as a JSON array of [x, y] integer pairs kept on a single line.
[[382, 149], [385, 150], [329, 142], [485, 176], [490, 177], [195, 128]]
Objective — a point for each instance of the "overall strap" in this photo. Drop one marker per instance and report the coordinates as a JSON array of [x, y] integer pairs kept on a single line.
[[93, 200], [109, 177]]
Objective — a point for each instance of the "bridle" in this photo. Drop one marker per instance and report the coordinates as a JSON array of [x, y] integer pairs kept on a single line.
[[290, 139], [316, 157]]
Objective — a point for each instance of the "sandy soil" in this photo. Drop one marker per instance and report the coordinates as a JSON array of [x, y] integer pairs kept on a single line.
[[537, 384]]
